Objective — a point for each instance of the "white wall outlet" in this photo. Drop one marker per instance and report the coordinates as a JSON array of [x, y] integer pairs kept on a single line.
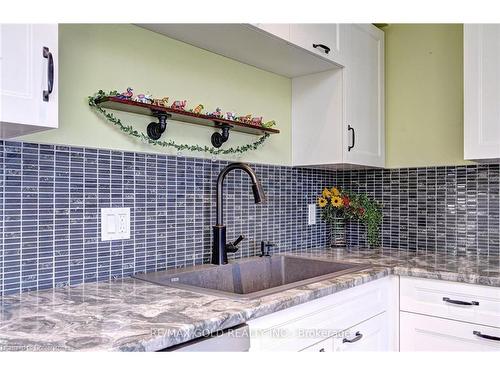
[[311, 216], [115, 223]]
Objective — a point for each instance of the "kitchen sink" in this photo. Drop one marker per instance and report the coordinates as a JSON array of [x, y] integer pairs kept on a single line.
[[252, 277]]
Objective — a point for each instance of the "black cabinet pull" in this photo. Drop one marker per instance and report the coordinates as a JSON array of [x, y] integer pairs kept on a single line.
[[462, 303], [325, 48], [50, 74], [356, 337], [322, 350], [351, 129], [487, 337]]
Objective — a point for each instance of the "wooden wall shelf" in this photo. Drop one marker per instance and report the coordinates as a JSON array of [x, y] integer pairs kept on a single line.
[[126, 105]]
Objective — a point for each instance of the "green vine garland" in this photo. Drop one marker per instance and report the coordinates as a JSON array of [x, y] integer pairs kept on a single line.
[[129, 129]]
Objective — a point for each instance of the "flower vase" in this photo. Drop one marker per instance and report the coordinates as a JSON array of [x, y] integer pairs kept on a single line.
[[337, 232]]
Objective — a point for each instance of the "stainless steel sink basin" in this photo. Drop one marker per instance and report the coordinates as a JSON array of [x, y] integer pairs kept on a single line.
[[253, 277]]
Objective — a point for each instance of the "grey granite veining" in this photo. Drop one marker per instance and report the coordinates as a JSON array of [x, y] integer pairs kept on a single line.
[[133, 315], [472, 269]]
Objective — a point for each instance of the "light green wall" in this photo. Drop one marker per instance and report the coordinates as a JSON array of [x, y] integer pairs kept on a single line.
[[107, 57], [424, 95], [424, 91]]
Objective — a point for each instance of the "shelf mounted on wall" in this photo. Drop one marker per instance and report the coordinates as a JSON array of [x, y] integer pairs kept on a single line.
[[156, 129]]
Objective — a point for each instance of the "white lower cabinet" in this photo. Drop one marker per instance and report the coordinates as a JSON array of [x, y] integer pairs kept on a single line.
[[356, 319], [427, 333], [440, 315], [371, 335], [321, 347]]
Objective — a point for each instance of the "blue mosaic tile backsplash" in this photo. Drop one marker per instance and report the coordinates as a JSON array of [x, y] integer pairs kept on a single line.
[[445, 210], [51, 196]]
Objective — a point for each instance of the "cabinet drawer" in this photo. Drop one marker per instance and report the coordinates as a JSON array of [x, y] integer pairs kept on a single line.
[[427, 333], [369, 336], [465, 302]]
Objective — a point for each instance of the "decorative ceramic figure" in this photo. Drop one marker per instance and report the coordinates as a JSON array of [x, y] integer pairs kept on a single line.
[[246, 119], [163, 102], [269, 124], [198, 109], [144, 98], [179, 104], [127, 94], [257, 121], [231, 116], [216, 113]]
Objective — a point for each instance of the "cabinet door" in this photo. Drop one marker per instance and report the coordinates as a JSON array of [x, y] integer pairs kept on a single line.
[[427, 333], [28, 54], [317, 119], [281, 30], [322, 39], [481, 91], [364, 83], [370, 335]]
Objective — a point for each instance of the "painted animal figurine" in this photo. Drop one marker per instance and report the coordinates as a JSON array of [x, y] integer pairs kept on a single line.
[[144, 98], [269, 124], [257, 121], [163, 102], [216, 113], [198, 109], [246, 119], [179, 104], [127, 94], [231, 116]]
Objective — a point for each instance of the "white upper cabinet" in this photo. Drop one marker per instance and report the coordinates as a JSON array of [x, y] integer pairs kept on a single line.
[[281, 30], [481, 91], [28, 78], [364, 80], [265, 46], [322, 39], [338, 115], [317, 119], [337, 73]]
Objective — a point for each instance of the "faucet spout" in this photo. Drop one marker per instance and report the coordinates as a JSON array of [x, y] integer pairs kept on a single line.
[[219, 251]]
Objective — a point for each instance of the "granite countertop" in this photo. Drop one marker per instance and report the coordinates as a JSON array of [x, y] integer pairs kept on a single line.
[[482, 270], [133, 315]]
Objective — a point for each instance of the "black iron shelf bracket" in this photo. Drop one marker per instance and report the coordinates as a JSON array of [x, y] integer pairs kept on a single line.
[[218, 139], [156, 129]]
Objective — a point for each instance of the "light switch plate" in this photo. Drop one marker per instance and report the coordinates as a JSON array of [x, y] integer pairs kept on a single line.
[[115, 223], [311, 214]]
